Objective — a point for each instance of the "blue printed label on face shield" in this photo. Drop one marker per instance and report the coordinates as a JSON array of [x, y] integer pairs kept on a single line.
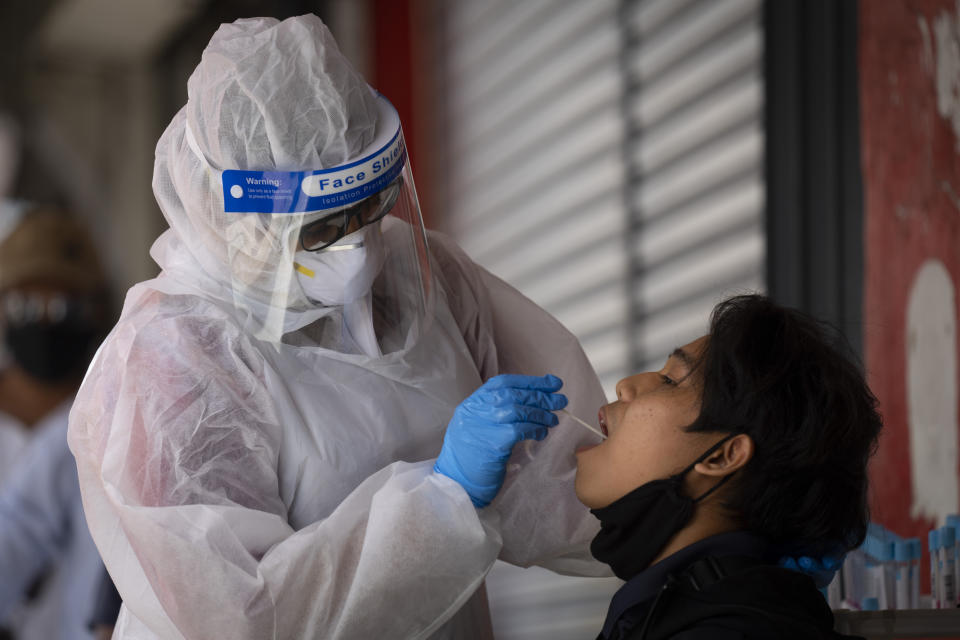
[[302, 191]]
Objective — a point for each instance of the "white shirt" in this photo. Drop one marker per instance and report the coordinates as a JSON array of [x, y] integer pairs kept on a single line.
[[13, 439], [43, 532]]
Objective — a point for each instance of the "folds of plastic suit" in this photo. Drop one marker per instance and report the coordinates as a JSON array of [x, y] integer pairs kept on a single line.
[[238, 489]]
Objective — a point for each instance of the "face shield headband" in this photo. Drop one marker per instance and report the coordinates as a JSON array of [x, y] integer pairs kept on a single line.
[[306, 245], [324, 190]]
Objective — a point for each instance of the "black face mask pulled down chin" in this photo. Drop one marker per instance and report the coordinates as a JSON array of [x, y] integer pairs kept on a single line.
[[636, 527]]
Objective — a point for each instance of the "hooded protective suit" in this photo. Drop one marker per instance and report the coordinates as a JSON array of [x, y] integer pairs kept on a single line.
[[256, 462]]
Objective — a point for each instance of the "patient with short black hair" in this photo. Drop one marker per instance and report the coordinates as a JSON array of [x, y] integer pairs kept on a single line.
[[749, 446]]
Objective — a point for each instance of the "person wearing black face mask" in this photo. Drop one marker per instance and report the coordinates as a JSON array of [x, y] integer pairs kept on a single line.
[[749, 446], [52, 315]]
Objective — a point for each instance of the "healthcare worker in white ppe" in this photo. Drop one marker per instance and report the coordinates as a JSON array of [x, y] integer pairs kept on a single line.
[[257, 438]]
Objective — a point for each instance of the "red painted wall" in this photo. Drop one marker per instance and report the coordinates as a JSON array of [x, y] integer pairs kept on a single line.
[[911, 174], [395, 25], [393, 60]]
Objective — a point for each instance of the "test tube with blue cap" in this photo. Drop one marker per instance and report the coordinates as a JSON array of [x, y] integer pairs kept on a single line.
[[854, 578], [902, 554], [878, 566], [953, 522], [933, 543], [947, 567], [916, 555], [885, 572]]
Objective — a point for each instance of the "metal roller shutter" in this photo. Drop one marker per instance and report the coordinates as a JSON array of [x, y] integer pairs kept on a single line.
[[536, 184], [694, 109], [605, 158]]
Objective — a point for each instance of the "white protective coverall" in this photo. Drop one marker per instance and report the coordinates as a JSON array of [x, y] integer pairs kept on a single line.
[[248, 469]]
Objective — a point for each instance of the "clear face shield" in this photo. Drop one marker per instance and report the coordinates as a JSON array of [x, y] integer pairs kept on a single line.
[[334, 258]]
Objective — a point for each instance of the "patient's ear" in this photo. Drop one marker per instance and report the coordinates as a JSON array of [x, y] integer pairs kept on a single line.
[[733, 454]]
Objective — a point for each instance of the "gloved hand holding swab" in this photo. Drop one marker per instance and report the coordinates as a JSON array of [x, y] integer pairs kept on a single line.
[[585, 424]]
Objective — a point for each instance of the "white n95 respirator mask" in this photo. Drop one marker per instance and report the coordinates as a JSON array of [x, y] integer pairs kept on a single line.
[[343, 272]]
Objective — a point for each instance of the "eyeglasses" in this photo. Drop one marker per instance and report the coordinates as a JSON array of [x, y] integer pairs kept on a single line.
[[322, 233]]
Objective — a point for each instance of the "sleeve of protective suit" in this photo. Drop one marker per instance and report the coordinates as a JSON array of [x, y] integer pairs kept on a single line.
[[34, 513], [177, 449], [543, 523]]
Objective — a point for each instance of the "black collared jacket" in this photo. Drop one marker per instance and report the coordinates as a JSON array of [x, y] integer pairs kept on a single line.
[[726, 587]]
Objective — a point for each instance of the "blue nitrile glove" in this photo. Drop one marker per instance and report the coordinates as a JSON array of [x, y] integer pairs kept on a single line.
[[485, 426], [821, 570]]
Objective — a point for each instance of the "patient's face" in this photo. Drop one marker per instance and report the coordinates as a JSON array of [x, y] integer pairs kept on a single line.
[[645, 426]]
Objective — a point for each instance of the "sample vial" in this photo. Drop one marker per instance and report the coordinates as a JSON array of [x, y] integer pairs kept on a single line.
[[947, 564], [886, 573], [902, 554], [933, 543], [916, 555], [953, 521], [854, 578]]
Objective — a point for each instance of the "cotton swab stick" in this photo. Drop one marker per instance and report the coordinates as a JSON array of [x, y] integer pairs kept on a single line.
[[588, 426]]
